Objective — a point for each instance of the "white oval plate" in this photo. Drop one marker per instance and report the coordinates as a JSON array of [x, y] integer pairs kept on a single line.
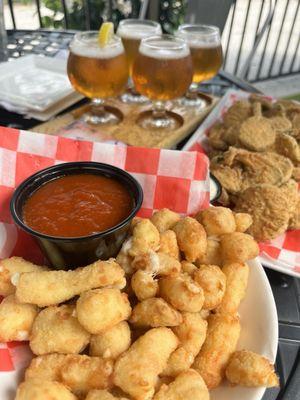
[[259, 333]]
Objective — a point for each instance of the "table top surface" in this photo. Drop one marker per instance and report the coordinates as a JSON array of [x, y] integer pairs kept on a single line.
[[286, 289]]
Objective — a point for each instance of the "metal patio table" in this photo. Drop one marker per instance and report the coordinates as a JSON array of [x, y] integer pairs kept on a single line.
[[286, 289]]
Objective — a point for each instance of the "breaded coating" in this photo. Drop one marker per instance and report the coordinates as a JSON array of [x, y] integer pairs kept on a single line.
[[57, 330], [213, 282], [212, 255], [236, 285], [10, 267], [162, 380], [164, 219], [257, 134], [222, 336], [47, 367], [191, 334], [230, 178], [188, 268], [124, 259], [160, 264], [101, 309], [237, 113], [179, 361], [287, 146], [154, 312], [145, 237], [216, 137], [294, 222], [182, 292], [249, 369], [270, 209], [191, 238], [248, 169], [80, 373], [238, 247], [112, 342], [168, 244], [102, 395], [280, 124], [48, 288], [231, 135], [83, 373], [217, 220], [16, 319], [144, 285], [296, 174], [37, 389], [243, 221], [188, 385], [136, 371]]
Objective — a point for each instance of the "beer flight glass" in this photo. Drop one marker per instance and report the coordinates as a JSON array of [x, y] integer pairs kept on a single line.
[[162, 71], [98, 73], [206, 51], [132, 31]]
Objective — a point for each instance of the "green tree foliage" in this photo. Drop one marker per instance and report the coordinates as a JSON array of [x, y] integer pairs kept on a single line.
[[171, 13]]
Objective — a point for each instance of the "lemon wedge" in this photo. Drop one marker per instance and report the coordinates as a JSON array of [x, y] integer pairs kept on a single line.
[[106, 32]]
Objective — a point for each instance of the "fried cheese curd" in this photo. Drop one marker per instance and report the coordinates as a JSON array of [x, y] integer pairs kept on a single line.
[[100, 309], [46, 288], [80, 373], [36, 389], [159, 322], [12, 267], [191, 333], [137, 370], [57, 330], [188, 385], [247, 368], [112, 342], [16, 319]]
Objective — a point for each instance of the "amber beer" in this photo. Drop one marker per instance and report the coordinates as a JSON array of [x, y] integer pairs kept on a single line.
[[98, 72], [206, 50], [132, 31], [206, 62], [162, 73]]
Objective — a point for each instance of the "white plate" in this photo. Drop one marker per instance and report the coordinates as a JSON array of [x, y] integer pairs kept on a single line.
[[34, 82], [259, 333]]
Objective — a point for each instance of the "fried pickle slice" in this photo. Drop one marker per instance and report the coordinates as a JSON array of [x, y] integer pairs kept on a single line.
[[257, 134]]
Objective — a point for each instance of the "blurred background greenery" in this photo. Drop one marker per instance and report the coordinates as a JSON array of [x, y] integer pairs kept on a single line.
[[172, 13]]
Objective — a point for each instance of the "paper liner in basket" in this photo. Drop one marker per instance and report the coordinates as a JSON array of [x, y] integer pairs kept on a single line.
[[281, 254]]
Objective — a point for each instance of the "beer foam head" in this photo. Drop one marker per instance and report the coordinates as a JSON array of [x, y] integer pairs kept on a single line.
[[198, 44], [164, 48], [138, 30], [89, 47], [200, 36]]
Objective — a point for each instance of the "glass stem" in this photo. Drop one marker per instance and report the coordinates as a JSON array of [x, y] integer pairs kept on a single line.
[[98, 107], [159, 109], [131, 87], [193, 91]]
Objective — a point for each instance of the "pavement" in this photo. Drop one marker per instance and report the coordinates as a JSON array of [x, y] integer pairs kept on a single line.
[[288, 86]]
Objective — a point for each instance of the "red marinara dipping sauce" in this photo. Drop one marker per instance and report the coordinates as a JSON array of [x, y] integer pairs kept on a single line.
[[77, 205]]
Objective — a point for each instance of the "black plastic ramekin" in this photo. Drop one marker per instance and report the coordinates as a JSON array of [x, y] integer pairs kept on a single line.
[[65, 252]]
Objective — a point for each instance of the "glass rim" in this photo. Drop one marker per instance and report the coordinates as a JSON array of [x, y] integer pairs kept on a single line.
[[139, 21], [211, 30], [81, 37], [164, 37]]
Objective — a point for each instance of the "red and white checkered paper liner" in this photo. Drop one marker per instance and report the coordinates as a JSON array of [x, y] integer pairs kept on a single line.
[[175, 179], [282, 253]]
